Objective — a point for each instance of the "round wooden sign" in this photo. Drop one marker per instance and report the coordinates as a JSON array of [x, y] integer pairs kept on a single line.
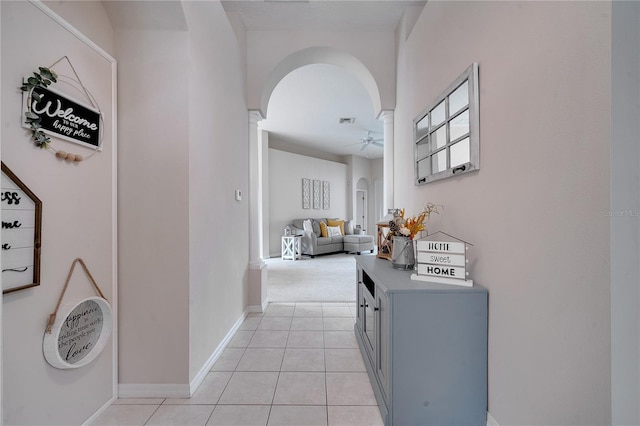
[[80, 332]]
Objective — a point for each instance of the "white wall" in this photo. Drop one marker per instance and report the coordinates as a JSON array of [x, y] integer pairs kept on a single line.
[[184, 152], [88, 17], [153, 94], [286, 171], [305, 151], [78, 221], [377, 176], [218, 165], [536, 209]]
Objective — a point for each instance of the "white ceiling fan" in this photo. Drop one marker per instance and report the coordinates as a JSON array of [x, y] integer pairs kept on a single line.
[[369, 140]]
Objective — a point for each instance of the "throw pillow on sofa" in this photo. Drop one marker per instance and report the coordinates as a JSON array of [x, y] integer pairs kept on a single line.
[[333, 231], [348, 227], [324, 232], [338, 223], [307, 226]]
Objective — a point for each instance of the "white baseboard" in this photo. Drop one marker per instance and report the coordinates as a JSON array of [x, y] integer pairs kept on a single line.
[[258, 308], [100, 411], [180, 390], [491, 421], [198, 379], [163, 390]]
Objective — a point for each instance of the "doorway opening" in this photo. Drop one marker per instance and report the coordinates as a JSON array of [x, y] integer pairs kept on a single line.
[[292, 157]]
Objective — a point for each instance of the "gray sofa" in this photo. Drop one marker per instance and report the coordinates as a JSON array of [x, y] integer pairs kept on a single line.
[[312, 243]]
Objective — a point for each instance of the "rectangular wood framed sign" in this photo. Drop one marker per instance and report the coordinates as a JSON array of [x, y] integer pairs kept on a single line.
[[21, 234]]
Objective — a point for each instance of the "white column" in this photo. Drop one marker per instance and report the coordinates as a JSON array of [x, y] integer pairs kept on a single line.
[[387, 201], [264, 161], [257, 267]]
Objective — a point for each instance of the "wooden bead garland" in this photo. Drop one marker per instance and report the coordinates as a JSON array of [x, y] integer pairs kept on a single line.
[[68, 156]]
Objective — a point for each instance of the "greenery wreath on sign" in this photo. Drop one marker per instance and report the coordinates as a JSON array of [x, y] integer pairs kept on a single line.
[[42, 79]]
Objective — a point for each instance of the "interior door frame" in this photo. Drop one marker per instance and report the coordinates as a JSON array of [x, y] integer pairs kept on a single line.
[[365, 208]]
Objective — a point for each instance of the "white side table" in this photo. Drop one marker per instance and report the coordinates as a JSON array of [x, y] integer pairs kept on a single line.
[[291, 247]]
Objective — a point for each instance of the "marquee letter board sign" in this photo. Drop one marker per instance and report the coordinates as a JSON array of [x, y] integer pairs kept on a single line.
[[21, 226], [65, 118], [442, 262]]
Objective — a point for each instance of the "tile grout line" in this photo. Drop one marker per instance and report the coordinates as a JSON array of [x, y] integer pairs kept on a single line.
[[154, 412], [275, 389], [324, 353]]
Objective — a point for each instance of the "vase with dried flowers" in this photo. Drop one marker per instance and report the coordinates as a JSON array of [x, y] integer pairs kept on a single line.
[[403, 230]]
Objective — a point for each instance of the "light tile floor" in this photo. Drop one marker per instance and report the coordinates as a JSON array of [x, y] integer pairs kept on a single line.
[[296, 364]]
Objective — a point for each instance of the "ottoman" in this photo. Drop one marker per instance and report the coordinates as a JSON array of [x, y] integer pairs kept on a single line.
[[358, 243]]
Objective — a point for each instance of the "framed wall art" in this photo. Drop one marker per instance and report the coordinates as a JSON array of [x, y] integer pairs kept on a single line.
[[79, 330], [325, 195], [317, 194], [306, 193], [21, 228], [79, 334]]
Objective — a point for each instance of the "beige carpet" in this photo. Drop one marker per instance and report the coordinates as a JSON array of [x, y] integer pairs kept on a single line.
[[328, 278]]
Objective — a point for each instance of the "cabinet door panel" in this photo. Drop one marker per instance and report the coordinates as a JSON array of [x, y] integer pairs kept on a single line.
[[369, 318], [447, 343], [359, 300], [383, 335]]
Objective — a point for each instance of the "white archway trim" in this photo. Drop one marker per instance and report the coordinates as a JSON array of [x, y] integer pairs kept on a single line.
[[321, 55]]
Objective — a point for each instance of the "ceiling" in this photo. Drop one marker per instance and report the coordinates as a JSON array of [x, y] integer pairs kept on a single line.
[[327, 15], [306, 106]]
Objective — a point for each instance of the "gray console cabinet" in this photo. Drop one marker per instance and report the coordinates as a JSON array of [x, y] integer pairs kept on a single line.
[[424, 346]]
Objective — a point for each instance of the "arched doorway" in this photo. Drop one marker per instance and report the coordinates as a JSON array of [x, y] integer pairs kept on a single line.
[[259, 152]]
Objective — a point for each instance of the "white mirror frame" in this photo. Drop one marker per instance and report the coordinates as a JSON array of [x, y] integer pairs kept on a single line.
[[470, 75]]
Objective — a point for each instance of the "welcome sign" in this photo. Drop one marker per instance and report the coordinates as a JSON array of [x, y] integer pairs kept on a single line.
[[63, 117], [443, 262]]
